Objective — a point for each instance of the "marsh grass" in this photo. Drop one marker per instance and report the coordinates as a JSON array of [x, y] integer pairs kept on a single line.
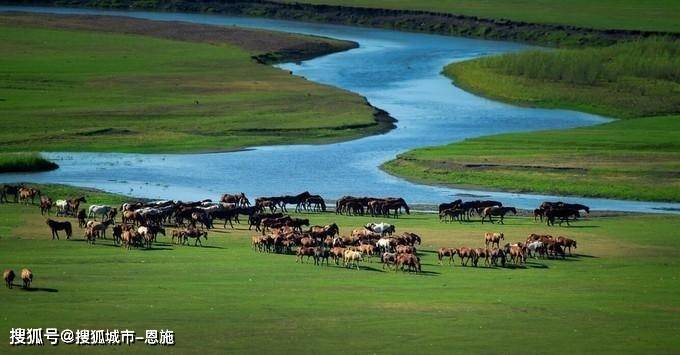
[[24, 162]]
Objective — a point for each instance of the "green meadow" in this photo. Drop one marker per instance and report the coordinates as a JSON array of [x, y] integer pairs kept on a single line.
[[81, 90], [619, 292], [648, 15]]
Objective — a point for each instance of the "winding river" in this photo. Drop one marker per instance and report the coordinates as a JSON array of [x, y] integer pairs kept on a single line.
[[396, 71]]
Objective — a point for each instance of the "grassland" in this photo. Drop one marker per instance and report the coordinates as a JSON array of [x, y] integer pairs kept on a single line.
[[636, 158], [650, 15], [97, 84], [24, 162], [619, 295]]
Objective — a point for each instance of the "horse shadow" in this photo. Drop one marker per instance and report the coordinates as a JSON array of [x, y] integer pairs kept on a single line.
[[156, 249], [37, 289], [209, 246], [578, 256], [370, 268]]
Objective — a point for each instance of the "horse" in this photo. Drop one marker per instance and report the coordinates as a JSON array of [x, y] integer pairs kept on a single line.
[[493, 238], [381, 228], [56, 226], [497, 254], [352, 257], [321, 254], [317, 201], [8, 190], [446, 253], [466, 253], [452, 213], [562, 213], [26, 193], [482, 253], [239, 200], [320, 232], [45, 205], [70, 206], [536, 248], [567, 243], [448, 206], [194, 233], [410, 260], [297, 200], [82, 218], [101, 210], [396, 205], [497, 211], [516, 253], [100, 227], [539, 212], [388, 259]]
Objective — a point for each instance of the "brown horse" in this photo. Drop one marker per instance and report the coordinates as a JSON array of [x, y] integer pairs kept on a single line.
[[26, 193], [302, 252], [493, 238], [56, 226], [45, 205], [466, 254], [482, 253], [567, 243], [446, 253]]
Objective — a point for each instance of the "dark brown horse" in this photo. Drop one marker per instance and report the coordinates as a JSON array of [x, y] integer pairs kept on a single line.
[[56, 226], [497, 211]]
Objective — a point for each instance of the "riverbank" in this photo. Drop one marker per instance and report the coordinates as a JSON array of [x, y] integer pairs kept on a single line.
[[636, 158], [24, 162], [99, 287], [524, 25], [114, 84]]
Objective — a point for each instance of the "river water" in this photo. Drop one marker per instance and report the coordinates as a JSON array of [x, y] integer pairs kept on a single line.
[[396, 71]]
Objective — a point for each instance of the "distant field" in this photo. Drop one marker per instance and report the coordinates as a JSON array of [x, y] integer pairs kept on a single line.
[[619, 295], [635, 159], [648, 15], [80, 90]]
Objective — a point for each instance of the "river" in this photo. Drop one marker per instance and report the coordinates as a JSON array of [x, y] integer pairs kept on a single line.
[[396, 71]]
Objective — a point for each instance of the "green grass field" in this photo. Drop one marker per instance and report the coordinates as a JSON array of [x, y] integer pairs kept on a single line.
[[25, 162], [620, 294], [637, 158], [649, 15], [71, 90]]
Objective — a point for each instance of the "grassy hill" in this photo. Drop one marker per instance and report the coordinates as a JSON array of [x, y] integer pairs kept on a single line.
[[619, 293], [70, 83]]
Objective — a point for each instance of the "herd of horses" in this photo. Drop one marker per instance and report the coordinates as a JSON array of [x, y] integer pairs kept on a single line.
[[551, 212], [543, 246], [323, 243], [359, 206], [142, 222]]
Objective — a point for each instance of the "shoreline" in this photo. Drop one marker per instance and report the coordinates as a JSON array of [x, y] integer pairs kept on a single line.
[[553, 35]]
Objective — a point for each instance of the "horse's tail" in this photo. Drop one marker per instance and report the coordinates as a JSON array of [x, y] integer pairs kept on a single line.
[[68, 229], [323, 205]]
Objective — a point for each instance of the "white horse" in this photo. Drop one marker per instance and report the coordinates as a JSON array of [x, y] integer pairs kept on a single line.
[[536, 247], [101, 210], [62, 207], [384, 244], [381, 228], [352, 257]]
